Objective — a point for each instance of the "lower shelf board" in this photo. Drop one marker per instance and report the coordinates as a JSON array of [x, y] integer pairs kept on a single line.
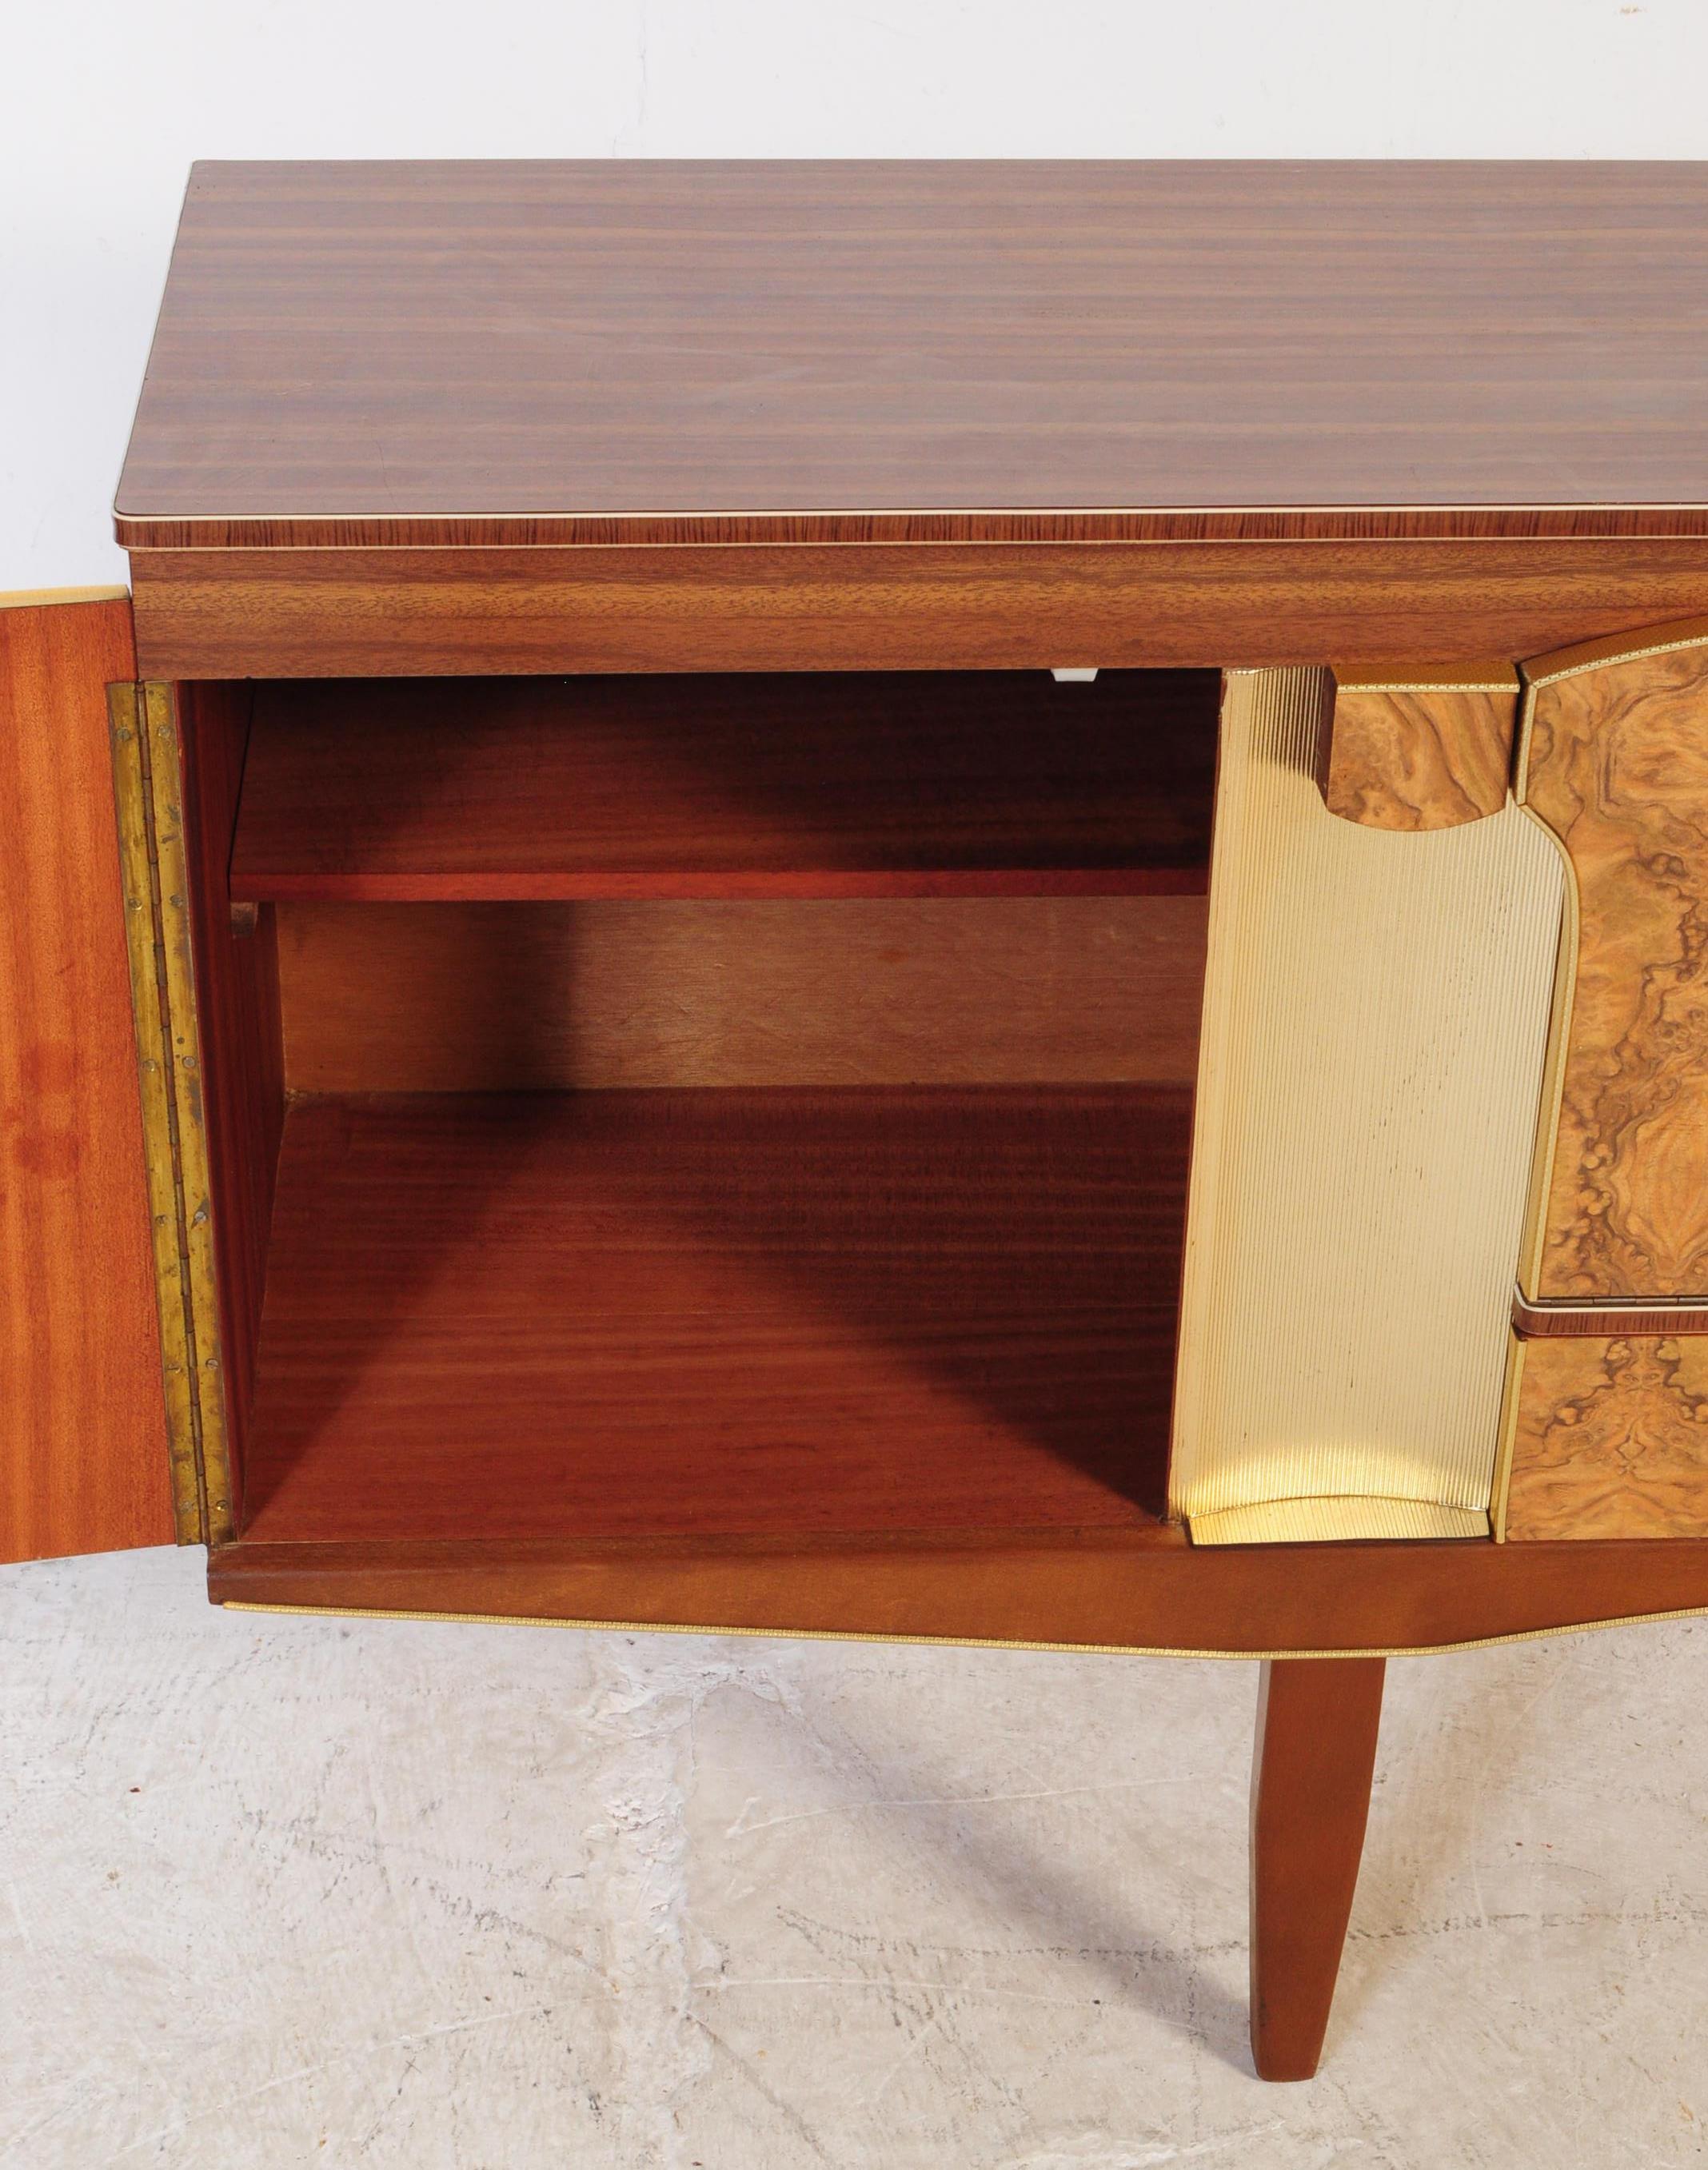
[[681, 1316], [875, 1361]]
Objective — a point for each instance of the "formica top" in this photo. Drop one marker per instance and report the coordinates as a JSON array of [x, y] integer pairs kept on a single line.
[[612, 351]]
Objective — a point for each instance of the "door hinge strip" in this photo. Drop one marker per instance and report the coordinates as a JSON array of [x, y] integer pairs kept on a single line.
[[148, 786], [1608, 1317]]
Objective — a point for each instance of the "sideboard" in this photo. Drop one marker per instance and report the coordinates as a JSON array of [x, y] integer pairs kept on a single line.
[[963, 902]]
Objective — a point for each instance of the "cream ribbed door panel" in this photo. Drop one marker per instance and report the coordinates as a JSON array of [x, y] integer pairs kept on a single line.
[[1375, 1020]]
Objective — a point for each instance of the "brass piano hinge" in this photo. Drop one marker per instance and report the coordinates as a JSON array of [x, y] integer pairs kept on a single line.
[[147, 785]]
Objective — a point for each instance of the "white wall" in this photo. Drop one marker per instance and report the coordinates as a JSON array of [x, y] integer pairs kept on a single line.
[[105, 102]]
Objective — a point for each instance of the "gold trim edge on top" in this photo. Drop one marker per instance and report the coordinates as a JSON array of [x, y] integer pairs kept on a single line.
[[1369, 524], [1496, 677], [1614, 648]]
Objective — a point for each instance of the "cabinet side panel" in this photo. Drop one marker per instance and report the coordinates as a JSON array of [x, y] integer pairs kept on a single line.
[[236, 991], [1375, 1017], [82, 1432]]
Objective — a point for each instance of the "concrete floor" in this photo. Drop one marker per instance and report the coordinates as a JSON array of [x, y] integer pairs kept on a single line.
[[293, 1891]]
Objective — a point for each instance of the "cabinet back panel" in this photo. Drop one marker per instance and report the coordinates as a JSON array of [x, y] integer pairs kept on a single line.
[[470, 997]]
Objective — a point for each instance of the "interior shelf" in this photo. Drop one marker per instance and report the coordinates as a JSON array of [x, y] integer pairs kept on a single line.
[[743, 785], [613, 1315]]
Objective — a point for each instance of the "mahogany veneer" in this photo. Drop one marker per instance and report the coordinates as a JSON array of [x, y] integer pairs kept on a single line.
[[890, 990], [797, 784], [717, 1313], [597, 351], [1146, 1588], [302, 613], [618, 415], [83, 1453]]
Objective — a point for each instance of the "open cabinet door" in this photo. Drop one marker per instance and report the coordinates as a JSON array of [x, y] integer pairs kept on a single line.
[[83, 1431]]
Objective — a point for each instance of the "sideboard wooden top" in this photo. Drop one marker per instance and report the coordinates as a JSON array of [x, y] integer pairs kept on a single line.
[[613, 351]]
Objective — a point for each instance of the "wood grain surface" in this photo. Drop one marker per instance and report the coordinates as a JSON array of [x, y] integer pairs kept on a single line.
[[1312, 1764], [1618, 769], [797, 784], [1419, 755], [668, 1315], [367, 612], [1612, 1440], [500, 352], [464, 1292], [1144, 1588], [82, 1430], [461, 998]]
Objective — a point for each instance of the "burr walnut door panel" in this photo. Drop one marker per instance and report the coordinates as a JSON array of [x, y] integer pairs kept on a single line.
[[1610, 1435], [1616, 765]]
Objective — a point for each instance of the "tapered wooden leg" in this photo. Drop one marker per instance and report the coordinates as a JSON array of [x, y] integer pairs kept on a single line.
[[1317, 1719]]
